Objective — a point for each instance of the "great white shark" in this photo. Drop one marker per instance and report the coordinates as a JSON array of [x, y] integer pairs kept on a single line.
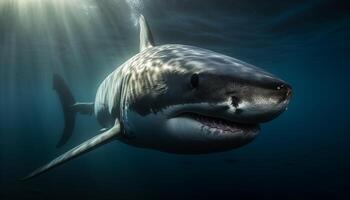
[[175, 98]]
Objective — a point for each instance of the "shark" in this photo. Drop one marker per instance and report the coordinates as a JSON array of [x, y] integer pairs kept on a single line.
[[175, 98]]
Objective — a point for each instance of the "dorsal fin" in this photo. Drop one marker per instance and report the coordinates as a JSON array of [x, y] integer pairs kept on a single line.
[[146, 38]]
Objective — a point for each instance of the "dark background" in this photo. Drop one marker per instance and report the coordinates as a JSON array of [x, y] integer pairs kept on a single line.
[[303, 154]]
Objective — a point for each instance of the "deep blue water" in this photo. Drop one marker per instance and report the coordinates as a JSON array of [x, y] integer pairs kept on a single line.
[[303, 154]]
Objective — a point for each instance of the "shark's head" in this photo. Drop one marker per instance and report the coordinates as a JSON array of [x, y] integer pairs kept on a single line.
[[193, 100], [185, 99]]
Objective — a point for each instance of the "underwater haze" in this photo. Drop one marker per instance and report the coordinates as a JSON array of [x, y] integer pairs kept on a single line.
[[303, 154]]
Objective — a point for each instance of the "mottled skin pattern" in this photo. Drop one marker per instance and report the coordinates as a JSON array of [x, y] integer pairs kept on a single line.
[[154, 86]]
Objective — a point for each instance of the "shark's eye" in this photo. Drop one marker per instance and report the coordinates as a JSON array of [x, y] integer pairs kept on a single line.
[[194, 80]]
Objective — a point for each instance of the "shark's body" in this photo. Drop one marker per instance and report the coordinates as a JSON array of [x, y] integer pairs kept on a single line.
[[178, 99]]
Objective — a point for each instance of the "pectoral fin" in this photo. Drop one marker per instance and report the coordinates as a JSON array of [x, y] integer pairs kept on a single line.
[[87, 146]]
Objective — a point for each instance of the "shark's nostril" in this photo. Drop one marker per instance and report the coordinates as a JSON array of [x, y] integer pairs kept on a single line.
[[280, 87], [289, 92], [234, 101]]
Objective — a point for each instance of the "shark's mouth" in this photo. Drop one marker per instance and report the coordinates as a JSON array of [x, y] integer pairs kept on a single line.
[[216, 123]]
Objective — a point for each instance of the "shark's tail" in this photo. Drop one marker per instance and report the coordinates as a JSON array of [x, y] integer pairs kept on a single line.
[[67, 101], [70, 108]]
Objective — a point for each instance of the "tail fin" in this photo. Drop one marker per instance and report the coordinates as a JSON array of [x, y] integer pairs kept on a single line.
[[67, 101]]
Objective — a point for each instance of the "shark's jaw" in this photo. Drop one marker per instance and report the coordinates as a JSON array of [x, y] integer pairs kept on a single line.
[[218, 125], [183, 130]]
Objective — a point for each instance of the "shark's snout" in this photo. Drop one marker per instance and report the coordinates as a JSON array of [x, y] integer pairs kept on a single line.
[[255, 104], [248, 97], [285, 90]]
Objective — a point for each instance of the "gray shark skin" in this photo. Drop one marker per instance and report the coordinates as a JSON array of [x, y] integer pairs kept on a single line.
[[179, 99], [157, 100]]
